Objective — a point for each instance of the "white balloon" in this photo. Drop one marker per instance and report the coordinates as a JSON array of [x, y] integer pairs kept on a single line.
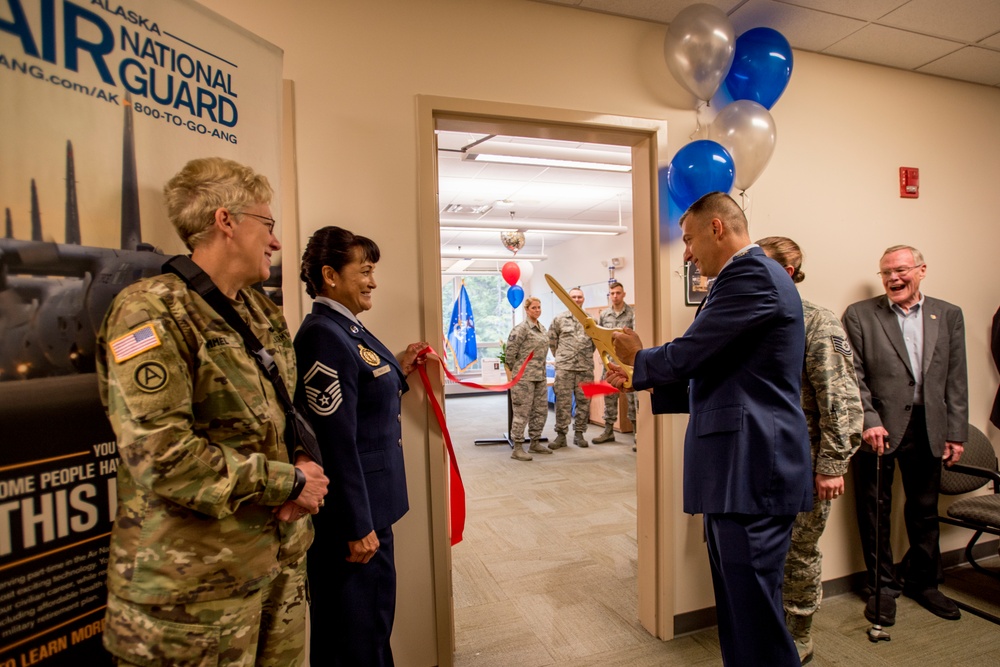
[[527, 269], [746, 130], [699, 49]]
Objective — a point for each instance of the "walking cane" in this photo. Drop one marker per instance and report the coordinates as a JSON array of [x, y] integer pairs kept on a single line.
[[876, 633]]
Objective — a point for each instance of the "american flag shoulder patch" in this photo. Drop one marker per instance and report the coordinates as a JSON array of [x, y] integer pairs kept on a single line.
[[841, 344], [134, 342]]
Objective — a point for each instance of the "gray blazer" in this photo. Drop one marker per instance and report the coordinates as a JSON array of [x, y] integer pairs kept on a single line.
[[886, 380]]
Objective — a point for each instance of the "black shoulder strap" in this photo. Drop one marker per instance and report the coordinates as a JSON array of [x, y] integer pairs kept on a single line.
[[201, 283]]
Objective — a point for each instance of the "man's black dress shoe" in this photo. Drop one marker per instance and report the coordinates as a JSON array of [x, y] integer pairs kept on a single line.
[[935, 602], [887, 613]]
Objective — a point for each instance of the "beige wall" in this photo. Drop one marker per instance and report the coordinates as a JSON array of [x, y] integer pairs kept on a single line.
[[844, 128]]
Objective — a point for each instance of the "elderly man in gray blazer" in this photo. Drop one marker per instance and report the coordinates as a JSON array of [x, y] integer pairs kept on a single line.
[[909, 355]]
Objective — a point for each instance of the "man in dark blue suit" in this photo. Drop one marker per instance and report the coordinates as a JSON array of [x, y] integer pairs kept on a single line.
[[746, 453]]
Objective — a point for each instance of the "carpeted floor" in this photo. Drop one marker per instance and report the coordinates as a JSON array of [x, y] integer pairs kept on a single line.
[[546, 574]]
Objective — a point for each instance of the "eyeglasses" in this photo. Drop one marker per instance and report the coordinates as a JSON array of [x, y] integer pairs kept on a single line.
[[269, 224], [901, 271]]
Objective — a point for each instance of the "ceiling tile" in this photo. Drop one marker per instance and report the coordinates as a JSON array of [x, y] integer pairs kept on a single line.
[[895, 48], [963, 20], [968, 64], [803, 28], [818, 25], [866, 10], [992, 42]]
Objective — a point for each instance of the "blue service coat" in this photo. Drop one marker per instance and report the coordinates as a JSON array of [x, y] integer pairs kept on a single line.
[[747, 445], [351, 386]]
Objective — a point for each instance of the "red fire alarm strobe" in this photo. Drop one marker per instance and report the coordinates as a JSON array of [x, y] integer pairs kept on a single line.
[[909, 182]]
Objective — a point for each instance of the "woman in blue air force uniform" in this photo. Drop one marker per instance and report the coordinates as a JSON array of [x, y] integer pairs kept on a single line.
[[351, 386]]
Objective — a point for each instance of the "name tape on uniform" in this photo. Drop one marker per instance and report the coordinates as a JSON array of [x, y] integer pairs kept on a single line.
[[134, 342]]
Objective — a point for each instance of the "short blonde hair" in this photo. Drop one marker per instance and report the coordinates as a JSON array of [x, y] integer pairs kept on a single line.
[[205, 185], [530, 300]]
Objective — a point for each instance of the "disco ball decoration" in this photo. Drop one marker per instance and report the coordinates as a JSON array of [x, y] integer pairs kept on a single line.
[[513, 240]]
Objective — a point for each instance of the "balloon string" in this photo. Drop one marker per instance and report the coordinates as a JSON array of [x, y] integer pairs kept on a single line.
[[698, 110], [746, 203]]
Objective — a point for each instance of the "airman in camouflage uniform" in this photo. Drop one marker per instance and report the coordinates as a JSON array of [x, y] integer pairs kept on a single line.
[[574, 353], [831, 402], [529, 397], [618, 315], [207, 553], [832, 405]]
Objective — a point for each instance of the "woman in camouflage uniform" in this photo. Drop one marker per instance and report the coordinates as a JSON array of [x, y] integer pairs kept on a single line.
[[207, 562], [832, 406], [529, 397]]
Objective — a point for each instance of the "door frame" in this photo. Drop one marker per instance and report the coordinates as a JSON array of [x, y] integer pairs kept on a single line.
[[654, 468]]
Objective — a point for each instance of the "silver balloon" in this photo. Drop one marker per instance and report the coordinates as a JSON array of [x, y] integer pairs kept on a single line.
[[745, 129], [513, 241], [699, 49]]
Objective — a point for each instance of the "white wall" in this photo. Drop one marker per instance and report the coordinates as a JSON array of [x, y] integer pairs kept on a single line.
[[578, 262], [844, 128]]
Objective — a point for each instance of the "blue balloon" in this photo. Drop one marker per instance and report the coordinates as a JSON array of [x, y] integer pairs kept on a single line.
[[761, 67], [701, 167], [515, 295]]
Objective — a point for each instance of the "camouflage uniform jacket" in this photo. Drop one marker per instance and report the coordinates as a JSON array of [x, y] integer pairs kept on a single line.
[[523, 340], [830, 397], [200, 435], [572, 348], [610, 320]]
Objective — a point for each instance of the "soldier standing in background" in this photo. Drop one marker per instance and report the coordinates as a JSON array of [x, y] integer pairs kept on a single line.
[[831, 402], [208, 548], [529, 397], [617, 316], [574, 353]]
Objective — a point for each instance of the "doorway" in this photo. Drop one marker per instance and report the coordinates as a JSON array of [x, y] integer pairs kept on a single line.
[[641, 137]]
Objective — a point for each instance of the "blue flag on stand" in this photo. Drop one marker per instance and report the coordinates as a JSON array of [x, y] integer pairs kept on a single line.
[[462, 332]]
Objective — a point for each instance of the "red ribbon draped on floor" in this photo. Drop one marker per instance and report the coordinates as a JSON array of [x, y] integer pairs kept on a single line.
[[456, 489]]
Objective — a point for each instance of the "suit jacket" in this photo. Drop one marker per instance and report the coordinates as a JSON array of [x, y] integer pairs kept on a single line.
[[747, 447], [886, 380], [351, 386], [995, 348]]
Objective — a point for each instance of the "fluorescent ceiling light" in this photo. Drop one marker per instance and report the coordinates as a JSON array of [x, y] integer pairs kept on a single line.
[[547, 162], [498, 257], [530, 226]]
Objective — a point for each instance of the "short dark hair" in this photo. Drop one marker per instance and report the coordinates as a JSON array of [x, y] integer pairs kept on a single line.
[[333, 247], [718, 205]]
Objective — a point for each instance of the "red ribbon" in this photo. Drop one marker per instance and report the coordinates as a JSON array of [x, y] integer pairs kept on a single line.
[[456, 489], [592, 389], [488, 387]]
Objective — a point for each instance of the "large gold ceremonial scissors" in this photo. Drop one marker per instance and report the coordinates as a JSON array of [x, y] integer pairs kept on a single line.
[[600, 335]]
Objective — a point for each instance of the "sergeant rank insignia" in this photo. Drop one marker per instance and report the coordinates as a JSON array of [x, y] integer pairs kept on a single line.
[[842, 345], [322, 389], [369, 356]]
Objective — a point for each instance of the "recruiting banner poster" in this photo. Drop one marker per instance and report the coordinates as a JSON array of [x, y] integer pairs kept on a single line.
[[101, 102]]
